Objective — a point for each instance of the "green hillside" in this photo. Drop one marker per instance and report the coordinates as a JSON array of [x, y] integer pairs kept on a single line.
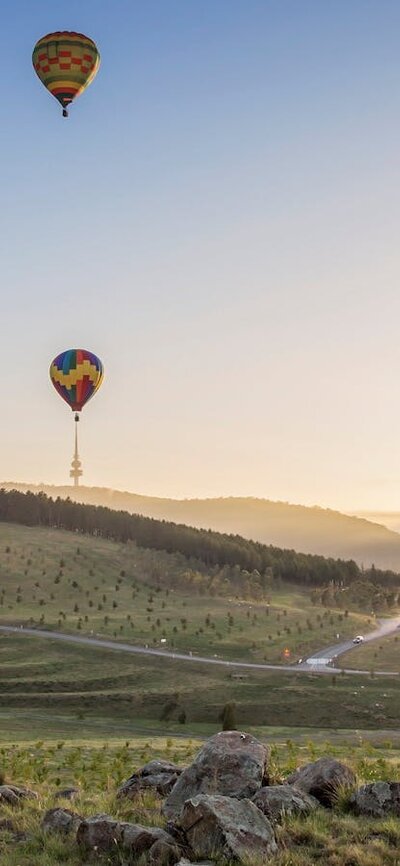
[[311, 530], [83, 585], [80, 584], [53, 690]]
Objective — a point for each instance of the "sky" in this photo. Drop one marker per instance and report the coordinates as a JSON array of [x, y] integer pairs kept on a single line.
[[218, 220]]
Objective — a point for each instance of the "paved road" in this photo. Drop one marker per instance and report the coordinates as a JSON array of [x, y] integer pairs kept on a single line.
[[326, 657], [102, 643], [320, 662]]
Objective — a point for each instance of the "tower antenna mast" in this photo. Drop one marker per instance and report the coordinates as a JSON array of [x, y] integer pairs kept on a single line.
[[76, 472]]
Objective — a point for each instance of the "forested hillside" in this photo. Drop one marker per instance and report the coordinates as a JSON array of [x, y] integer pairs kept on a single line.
[[311, 530], [237, 555]]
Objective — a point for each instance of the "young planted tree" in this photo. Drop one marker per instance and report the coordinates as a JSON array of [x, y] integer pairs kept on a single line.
[[228, 717]]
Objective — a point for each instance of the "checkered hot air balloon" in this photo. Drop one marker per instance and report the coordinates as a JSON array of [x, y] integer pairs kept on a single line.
[[66, 64], [76, 375]]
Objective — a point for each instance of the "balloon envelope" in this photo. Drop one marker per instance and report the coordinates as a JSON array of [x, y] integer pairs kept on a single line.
[[66, 63], [76, 374]]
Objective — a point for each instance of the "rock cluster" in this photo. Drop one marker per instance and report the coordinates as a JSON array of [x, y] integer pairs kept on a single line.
[[61, 821], [220, 808], [103, 834], [323, 779], [10, 795], [377, 799], [231, 763], [235, 829], [277, 801], [159, 776]]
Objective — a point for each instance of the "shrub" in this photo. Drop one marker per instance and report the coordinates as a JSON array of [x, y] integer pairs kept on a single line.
[[228, 717]]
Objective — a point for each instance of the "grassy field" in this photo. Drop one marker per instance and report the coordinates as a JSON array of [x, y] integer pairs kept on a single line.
[[83, 585], [91, 586], [54, 685], [329, 837], [380, 655], [101, 766]]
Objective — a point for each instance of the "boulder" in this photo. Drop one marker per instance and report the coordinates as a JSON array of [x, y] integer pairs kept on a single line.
[[67, 794], [163, 853], [10, 795], [323, 779], [153, 768], [230, 763], [160, 776], [227, 828], [100, 833], [7, 826], [137, 839], [377, 799], [185, 862], [160, 784], [61, 821], [279, 800]]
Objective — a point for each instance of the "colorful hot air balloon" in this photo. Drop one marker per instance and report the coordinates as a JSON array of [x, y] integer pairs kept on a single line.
[[76, 375], [66, 64]]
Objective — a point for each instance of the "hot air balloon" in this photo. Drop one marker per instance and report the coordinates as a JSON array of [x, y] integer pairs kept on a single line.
[[76, 375], [66, 64]]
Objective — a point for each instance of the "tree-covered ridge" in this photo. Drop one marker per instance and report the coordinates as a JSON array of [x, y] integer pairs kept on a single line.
[[315, 530], [211, 548]]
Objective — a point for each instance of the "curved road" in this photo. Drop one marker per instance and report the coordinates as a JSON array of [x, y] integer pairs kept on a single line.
[[320, 662], [324, 658]]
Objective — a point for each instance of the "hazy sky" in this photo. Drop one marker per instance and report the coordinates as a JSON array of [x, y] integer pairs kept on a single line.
[[219, 221]]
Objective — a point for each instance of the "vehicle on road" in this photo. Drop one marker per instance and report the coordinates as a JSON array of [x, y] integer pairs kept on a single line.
[[358, 638]]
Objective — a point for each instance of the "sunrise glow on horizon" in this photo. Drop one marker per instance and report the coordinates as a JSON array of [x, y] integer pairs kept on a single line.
[[218, 221]]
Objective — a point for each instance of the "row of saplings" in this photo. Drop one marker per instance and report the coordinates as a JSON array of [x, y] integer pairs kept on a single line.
[[221, 807]]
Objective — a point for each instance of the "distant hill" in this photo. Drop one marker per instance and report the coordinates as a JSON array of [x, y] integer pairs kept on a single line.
[[310, 530], [390, 519]]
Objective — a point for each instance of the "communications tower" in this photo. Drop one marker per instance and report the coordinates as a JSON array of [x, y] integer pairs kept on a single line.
[[76, 472]]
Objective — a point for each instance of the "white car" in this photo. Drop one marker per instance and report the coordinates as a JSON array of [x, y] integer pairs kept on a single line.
[[358, 638]]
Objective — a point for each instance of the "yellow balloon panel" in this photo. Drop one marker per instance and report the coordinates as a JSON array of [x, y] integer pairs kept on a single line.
[[66, 64]]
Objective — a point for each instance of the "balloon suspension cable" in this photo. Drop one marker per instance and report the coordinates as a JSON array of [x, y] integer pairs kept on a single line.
[[65, 112], [76, 471]]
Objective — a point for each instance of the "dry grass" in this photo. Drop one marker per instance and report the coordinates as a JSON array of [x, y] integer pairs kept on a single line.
[[330, 839], [325, 838]]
